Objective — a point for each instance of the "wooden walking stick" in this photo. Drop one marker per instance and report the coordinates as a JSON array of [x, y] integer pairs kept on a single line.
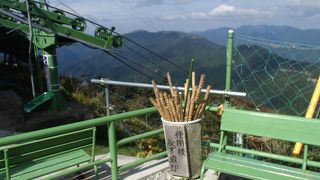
[[170, 105], [170, 84], [188, 83]]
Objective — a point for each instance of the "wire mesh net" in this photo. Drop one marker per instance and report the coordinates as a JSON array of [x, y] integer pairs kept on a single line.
[[277, 76]]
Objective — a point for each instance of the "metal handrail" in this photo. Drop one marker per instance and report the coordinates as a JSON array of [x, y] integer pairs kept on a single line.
[[139, 136], [111, 119], [73, 127], [144, 85]]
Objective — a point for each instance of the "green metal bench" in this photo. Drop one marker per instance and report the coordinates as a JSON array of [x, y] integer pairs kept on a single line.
[[41, 157], [229, 159]]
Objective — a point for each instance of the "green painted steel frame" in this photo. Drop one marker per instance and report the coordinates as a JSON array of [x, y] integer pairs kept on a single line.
[[139, 136], [36, 11], [267, 155], [113, 150], [229, 66], [49, 25], [111, 120], [229, 60], [227, 101], [93, 150], [107, 120], [21, 155], [63, 31], [283, 127], [6, 160], [73, 127]]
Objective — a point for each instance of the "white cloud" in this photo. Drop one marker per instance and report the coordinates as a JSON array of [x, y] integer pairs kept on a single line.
[[173, 18], [228, 10], [225, 10], [222, 10]]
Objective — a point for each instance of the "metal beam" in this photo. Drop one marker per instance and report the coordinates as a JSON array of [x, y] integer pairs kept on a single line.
[[139, 136], [144, 85], [66, 32]]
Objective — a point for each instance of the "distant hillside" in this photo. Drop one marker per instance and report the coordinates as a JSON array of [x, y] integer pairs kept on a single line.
[[80, 61], [278, 33]]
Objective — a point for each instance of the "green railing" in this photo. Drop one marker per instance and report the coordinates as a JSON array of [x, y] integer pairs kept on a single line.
[[107, 120], [113, 143]]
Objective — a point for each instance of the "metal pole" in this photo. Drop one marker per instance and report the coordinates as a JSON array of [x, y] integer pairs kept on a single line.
[[106, 90], [112, 140], [144, 85], [229, 65], [227, 102], [58, 102], [113, 150], [51, 67], [30, 49], [305, 157]]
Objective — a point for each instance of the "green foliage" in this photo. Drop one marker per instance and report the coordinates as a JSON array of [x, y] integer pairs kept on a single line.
[[130, 99], [95, 101], [85, 94], [150, 146]]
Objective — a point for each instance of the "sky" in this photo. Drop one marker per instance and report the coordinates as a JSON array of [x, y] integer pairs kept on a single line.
[[194, 15]]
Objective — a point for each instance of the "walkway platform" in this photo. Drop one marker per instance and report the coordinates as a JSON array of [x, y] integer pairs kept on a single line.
[[143, 171], [153, 170]]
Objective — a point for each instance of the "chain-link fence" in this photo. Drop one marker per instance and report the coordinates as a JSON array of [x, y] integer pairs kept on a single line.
[[277, 76]]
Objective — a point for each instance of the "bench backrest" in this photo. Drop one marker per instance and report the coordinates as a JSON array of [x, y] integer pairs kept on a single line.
[[46, 147], [2, 162], [289, 128]]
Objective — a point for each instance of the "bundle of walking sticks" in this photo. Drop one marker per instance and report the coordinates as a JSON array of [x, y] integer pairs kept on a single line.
[[176, 107]]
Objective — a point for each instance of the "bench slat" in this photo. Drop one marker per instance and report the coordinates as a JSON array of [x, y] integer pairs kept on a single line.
[[49, 142], [42, 167], [255, 169], [289, 128], [47, 155], [2, 164], [48, 152]]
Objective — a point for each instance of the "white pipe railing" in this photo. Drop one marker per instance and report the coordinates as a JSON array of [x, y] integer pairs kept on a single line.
[[144, 85]]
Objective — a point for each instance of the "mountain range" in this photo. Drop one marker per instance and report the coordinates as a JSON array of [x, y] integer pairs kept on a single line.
[[176, 47], [207, 48], [276, 33]]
